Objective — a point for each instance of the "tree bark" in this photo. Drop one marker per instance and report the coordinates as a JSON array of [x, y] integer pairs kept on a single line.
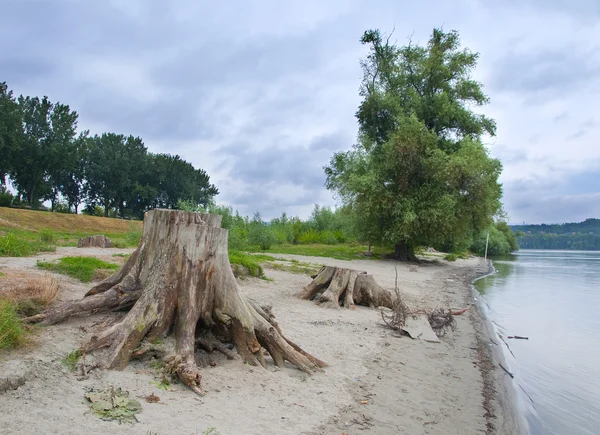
[[180, 279], [404, 251], [335, 286]]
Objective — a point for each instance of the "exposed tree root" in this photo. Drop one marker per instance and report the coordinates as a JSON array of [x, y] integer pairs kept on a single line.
[[180, 279], [336, 286]]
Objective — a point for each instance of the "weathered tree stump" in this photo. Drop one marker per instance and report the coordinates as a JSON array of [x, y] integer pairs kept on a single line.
[[99, 241], [336, 286], [179, 279]]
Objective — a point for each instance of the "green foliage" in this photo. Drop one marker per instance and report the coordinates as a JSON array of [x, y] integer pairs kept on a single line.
[[70, 361], [346, 251], [13, 244], [501, 240], [11, 328], [249, 262], [163, 384], [453, 256], [419, 174], [82, 268], [6, 198], [47, 236], [134, 235]]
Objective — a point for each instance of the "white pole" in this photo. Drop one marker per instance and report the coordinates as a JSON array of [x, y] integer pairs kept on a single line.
[[486, 244]]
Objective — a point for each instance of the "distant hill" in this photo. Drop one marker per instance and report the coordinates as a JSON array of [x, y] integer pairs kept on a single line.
[[576, 236]]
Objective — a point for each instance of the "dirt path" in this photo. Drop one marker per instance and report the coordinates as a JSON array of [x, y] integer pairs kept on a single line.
[[410, 387]]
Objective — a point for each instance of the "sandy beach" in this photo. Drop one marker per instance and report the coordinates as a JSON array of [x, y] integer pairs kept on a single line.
[[377, 382]]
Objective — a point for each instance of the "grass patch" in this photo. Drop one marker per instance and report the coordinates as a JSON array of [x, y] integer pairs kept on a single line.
[[248, 262], [29, 293], [297, 267], [341, 252], [455, 256], [11, 328], [82, 268], [122, 255], [70, 361]]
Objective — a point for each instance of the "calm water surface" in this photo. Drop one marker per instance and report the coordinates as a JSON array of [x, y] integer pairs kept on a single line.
[[552, 297]]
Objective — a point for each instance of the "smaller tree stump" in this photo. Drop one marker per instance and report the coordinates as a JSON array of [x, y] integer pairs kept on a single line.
[[335, 286], [99, 241]]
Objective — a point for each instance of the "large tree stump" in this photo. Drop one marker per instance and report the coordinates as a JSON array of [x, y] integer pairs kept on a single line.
[[179, 279], [99, 241], [336, 286]]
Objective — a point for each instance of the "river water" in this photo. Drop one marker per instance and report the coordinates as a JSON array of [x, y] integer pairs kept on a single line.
[[552, 297]]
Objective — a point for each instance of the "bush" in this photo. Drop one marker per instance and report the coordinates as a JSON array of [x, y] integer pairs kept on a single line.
[[11, 328], [61, 207], [6, 198]]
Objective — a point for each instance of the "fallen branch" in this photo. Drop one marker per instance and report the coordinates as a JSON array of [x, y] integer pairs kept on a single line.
[[518, 337], [507, 372]]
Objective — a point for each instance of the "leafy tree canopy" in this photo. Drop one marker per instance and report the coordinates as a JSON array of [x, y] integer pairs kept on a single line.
[[419, 174]]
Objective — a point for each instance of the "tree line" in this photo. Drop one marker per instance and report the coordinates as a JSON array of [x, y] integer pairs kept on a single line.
[[46, 159], [573, 235]]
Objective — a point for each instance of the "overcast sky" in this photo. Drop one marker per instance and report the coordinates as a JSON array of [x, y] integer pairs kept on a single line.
[[260, 94]]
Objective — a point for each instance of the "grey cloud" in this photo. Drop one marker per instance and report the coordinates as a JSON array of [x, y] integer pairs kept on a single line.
[[543, 73]]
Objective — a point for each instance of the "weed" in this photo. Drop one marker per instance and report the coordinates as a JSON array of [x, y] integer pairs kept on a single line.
[[29, 293], [70, 361], [134, 235], [122, 255], [157, 364], [82, 268], [210, 431], [47, 236], [455, 256], [11, 328], [163, 384]]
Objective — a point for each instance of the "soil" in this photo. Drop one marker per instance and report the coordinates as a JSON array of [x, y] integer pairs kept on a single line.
[[376, 381]]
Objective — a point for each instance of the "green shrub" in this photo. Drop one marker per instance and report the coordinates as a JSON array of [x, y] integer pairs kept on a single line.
[[261, 235], [82, 268], [6, 198], [11, 328], [47, 236], [451, 257]]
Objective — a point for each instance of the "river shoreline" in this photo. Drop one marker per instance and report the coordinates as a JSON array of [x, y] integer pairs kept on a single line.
[[503, 391]]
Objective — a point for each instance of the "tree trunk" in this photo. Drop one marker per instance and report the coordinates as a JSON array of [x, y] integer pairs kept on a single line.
[[404, 251], [180, 279], [336, 286]]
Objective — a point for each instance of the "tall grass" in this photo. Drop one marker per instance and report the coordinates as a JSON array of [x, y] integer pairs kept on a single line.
[[11, 328]]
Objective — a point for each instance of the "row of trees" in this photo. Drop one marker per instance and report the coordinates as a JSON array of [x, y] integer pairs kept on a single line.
[[47, 160], [419, 174]]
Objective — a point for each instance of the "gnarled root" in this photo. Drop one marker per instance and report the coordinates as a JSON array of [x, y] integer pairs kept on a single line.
[[336, 286], [180, 279]]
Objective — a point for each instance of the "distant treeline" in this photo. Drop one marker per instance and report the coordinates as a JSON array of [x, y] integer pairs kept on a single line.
[[45, 159], [576, 236]]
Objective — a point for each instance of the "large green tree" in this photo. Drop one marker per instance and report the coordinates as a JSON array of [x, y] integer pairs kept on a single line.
[[115, 163], [11, 130], [419, 173], [49, 132]]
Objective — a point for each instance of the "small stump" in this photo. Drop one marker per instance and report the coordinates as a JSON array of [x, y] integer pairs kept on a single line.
[[336, 286], [99, 241]]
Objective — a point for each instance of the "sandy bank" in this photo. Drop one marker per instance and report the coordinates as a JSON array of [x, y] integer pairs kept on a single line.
[[409, 386]]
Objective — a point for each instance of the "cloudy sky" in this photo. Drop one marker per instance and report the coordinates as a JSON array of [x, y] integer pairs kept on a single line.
[[260, 94]]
